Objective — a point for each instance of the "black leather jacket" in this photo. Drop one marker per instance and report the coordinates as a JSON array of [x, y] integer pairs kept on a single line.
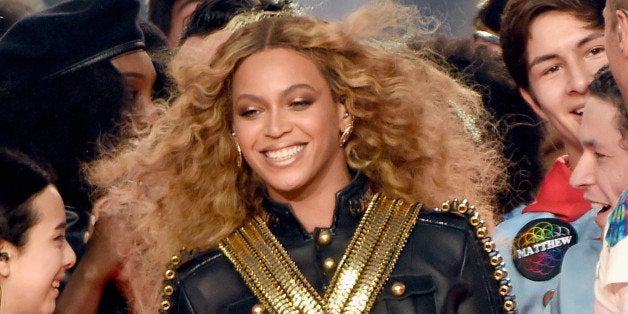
[[442, 266]]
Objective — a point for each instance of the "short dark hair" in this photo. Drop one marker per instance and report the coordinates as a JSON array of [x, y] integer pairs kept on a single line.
[[605, 87], [517, 19], [212, 15], [489, 16], [21, 179], [160, 13]]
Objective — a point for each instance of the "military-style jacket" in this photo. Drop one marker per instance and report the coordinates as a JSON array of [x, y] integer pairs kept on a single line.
[[443, 267]]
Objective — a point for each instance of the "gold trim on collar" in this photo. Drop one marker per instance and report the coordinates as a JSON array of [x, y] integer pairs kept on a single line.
[[369, 259]]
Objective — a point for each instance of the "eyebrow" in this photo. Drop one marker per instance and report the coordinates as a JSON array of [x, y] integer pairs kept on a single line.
[[61, 225], [283, 93], [580, 43]]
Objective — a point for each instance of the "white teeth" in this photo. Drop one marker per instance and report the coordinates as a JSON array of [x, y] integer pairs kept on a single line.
[[284, 153], [56, 284], [580, 111]]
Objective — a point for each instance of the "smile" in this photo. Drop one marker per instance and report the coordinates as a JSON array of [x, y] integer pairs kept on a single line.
[[284, 153]]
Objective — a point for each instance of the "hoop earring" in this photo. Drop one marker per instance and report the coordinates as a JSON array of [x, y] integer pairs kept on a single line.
[[346, 134], [238, 149]]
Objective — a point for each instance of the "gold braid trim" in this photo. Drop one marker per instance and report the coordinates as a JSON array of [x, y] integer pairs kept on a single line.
[[279, 285]]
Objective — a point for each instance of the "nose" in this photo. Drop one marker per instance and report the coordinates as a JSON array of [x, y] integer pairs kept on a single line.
[[146, 110], [579, 79], [69, 257], [278, 123], [583, 176]]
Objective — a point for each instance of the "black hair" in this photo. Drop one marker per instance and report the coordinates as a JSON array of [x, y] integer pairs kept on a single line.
[[489, 16], [605, 87], [160, 13], [20, 180], [60, 122], [212, 15]]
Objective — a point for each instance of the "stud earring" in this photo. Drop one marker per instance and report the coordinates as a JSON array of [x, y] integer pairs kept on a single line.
[[238, 149], [4, 256]]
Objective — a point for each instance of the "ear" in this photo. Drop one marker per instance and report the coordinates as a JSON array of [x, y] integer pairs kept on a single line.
[[8, 251], [527, 96], [622, 30], [344, 118]]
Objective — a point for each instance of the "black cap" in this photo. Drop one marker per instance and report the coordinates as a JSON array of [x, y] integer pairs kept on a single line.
[[68, 36]]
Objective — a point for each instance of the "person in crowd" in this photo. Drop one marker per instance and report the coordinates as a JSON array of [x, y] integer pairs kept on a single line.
[[171, 17], [518, 126], [552, 49], [311, 145], [34, 253], [487, 24], [59, 103], [615, 32], [602, 173]]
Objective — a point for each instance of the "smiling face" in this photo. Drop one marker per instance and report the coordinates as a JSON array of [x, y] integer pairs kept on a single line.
[[32, 273], [603, 168], [563, 56], [288, 125]]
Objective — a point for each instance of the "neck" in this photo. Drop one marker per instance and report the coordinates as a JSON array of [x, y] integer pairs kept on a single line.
[[314, 205]]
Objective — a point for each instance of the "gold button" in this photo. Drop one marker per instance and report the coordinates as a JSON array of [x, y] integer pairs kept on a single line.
[[329, 264], [165, 305], [324, 238], [168, 290], [169, 274], [398, 288], [257, 309]]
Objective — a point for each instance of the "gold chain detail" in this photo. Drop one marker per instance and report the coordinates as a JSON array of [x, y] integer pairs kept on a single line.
[[368, 261]]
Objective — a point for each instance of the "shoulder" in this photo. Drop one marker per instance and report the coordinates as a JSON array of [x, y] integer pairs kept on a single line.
[[209, 283]]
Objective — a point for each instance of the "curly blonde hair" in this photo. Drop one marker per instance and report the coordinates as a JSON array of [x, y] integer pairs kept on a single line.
[[412, 138]]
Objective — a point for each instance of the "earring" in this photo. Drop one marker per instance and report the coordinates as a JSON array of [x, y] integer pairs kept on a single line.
[[346, 134], [4, 256], [239, 158]]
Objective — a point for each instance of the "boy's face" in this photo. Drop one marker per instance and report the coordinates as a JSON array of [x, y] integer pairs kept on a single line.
[[563, 57], [603, 168]]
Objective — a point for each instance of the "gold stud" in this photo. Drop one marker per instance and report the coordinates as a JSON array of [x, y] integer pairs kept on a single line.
[[481, 232], [324, 238], [496, 259], [257, 309], [445, 206], [175, 260], [165, 305], [509, 305], [398, 288], [499, 274], [168, 290], [462, 208], [169, 274], [329, 264], [474, 220], [489, 246], [504, 289]]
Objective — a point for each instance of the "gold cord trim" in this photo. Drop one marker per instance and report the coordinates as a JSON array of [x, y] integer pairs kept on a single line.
[[368, 261]]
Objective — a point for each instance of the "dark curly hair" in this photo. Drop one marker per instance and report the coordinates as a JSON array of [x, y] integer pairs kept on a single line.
[[20, 181]]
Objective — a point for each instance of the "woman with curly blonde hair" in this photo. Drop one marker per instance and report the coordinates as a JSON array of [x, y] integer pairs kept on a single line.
[[292, 167]]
